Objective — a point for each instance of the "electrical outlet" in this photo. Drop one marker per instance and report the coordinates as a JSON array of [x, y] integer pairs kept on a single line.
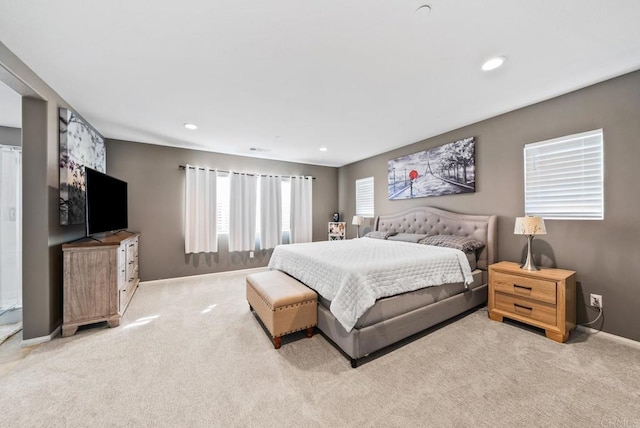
[[250, 254], [596, 300]]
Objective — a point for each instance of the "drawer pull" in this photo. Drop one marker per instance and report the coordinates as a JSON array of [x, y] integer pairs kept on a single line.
[[526, 308], [524, 287]]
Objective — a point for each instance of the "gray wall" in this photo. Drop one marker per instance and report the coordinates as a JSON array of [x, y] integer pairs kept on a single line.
[[604, 253], [156, 204], [42, 234], [10, 136]]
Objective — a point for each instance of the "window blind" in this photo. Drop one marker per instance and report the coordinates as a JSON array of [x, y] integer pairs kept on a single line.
[[563, 177], [364, 197]]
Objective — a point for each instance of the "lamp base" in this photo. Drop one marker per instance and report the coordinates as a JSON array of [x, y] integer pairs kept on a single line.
[[528, 263]]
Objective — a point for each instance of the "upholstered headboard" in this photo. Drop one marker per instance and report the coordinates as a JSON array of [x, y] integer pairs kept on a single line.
[[434, 221]]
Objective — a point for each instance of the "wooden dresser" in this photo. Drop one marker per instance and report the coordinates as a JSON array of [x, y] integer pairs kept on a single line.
[[100, 278], [544, 298]]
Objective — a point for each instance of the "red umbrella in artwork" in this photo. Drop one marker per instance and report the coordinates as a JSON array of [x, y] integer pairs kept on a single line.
[[413, 174]]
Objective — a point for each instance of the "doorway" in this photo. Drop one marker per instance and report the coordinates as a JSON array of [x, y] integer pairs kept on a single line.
[[10, 213], [10, 233]]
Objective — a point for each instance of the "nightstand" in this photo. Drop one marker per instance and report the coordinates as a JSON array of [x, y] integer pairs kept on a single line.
[[337, 230], [545, 298]]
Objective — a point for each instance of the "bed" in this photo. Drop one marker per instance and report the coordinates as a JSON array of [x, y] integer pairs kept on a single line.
[[377, 290]]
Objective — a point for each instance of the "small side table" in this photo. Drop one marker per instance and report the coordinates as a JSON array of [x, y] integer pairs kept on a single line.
[[337, 230], [544, 298]]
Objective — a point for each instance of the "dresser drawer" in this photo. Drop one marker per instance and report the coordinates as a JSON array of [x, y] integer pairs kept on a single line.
[[132, 249], [125, 296], [527, 308], [122, 255], [122, 277], [536, 289]]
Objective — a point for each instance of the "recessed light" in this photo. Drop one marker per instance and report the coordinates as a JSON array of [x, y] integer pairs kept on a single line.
[[190, 126], [493, 63], [323, 149], [423, 10]]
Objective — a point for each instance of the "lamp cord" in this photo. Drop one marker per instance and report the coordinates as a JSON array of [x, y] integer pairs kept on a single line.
[[595, 320]]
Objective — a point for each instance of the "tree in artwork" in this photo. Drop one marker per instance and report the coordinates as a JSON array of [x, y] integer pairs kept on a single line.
[[80, 146]]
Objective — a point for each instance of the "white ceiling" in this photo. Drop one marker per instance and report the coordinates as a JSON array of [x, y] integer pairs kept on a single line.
[[359, 77]]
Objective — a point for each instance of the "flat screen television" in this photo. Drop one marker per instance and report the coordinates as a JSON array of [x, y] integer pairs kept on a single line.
[[105, 203]]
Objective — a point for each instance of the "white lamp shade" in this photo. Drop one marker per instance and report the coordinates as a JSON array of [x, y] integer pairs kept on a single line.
[[529, 225], [357, 220]]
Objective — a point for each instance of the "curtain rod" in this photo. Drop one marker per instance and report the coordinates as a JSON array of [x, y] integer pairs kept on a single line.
[[229, 172]]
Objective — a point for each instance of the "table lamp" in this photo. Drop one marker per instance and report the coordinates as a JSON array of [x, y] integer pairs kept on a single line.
[[357, 221], [529, 226]]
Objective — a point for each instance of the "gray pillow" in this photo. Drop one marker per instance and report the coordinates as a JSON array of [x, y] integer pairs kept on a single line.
[[378, 234], [461, 243], [471, 256], [408, 237]]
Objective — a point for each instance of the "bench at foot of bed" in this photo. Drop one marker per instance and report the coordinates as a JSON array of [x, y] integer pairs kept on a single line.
[[283, 304]]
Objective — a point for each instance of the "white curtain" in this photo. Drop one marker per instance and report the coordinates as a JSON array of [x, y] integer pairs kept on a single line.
[[200, 235], [10, 227], [301, 209], [242, 212], [270, 212]]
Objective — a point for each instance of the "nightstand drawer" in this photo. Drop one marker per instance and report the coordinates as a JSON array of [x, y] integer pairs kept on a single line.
[[537, 311], [536, 289]]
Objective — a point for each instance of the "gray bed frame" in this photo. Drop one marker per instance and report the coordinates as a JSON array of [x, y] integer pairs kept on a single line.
[[360, 342]]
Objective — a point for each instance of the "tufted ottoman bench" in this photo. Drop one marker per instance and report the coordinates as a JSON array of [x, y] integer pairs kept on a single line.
[[283, 304]]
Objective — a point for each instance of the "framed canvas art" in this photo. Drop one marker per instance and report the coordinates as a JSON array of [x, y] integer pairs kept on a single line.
[[444, 170], [80, 146]]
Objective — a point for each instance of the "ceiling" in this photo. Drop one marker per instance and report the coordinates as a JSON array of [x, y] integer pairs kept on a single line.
[[360, 77]]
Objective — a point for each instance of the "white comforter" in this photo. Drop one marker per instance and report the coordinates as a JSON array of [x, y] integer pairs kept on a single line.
[[353, 274]]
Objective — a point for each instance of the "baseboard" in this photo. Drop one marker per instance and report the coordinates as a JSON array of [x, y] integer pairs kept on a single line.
[[214, 274], [38, 340], [609, 336]]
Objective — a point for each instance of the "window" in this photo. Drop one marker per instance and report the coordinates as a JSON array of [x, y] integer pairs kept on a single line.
[[364, 197], [286, 204], [563, 177], [224, 201]]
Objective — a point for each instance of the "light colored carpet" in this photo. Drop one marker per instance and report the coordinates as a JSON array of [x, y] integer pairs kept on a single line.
[[189, 353], [8, 330]]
